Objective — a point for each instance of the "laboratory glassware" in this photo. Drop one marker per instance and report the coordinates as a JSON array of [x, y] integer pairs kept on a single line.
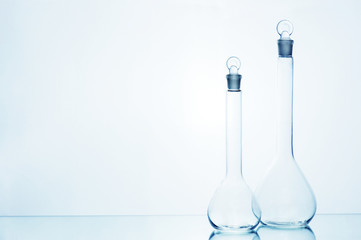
[[233, 207], [284, 196]]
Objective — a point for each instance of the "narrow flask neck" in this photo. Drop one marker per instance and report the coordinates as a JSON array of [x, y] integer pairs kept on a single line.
[[284, 93], [234, 133]]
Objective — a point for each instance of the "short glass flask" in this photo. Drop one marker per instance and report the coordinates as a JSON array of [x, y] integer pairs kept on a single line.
[[284, 196], [233, 206]]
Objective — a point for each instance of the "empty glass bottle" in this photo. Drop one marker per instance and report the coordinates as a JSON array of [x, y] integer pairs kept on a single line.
[[231, 207], [285, 198]]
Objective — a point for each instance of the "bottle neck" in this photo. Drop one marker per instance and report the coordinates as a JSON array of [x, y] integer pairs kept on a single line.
[[284, 93], [234, 133]]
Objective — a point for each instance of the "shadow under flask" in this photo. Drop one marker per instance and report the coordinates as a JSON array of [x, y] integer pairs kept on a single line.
[[272, 233], [284, 196], [233, 207], [220, 235]]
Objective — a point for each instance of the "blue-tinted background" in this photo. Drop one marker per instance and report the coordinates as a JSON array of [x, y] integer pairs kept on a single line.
[[118, 107]]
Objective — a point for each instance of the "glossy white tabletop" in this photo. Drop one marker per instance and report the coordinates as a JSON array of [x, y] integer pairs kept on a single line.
[[324, 227]]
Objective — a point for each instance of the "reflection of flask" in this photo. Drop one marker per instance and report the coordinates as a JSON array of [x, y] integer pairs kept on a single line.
[[231, 205], [285, 198], [270, 233], [217, 235]]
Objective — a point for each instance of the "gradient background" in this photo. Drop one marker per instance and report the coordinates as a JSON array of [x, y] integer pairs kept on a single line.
[[118, 107]]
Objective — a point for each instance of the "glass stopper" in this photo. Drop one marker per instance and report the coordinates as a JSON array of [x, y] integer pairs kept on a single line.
[[285, 29], [233, 64]]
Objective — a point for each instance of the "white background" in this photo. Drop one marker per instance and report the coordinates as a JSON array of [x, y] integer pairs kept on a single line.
[[118, 107]]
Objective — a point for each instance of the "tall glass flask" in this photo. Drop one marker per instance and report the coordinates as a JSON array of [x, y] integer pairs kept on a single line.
[[231, 206], [285, 197]]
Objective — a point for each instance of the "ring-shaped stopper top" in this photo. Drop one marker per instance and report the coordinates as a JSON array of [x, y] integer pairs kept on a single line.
[[285, 28], [233, 64]]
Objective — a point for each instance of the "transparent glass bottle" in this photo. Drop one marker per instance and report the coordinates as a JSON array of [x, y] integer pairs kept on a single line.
[[233, 207], [284, 196]]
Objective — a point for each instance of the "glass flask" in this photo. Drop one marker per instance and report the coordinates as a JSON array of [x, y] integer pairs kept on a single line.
[[284, 196], [233, 207], [271, 233], [219, 235]]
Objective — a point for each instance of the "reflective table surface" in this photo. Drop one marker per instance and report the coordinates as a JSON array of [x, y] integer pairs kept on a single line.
[[322, 227]]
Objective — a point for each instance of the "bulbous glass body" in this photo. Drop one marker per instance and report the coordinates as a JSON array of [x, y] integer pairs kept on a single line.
[[285, 197], [233, 206]]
